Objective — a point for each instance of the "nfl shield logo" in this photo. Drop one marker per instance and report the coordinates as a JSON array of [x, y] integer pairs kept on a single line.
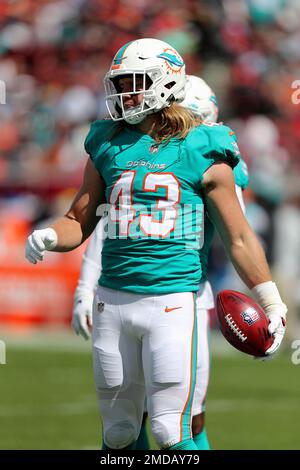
[[154, 148], [250, 315], [100, 307]]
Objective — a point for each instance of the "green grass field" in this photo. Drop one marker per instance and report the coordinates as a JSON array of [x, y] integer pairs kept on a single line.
[[48, 399]]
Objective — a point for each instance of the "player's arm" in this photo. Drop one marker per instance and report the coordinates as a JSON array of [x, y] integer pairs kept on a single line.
[[80, 221], [242, 245], [240, 241], [69, 231], [89, 275]]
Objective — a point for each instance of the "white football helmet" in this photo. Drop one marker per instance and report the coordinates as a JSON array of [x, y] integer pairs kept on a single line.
[[163, 72], [200, 99]]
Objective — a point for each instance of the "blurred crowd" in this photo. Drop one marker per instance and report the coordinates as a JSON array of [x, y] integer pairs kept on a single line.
[[54, 54]]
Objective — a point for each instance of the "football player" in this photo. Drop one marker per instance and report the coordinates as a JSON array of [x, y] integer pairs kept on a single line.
[[155, 165], [201, 100]]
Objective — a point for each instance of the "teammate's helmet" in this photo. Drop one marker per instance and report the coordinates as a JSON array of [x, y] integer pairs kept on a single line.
[[200, 99], [162, 70]]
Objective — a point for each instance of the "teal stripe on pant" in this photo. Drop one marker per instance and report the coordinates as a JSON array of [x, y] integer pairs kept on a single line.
[[186, 418]]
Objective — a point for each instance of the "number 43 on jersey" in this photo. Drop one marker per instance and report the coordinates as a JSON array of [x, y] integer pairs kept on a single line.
[[158, 216]]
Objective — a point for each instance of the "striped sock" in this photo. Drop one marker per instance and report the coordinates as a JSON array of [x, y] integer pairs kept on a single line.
[[187, 444]]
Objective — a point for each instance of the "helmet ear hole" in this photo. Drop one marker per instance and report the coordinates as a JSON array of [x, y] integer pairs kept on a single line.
[[170, 85]]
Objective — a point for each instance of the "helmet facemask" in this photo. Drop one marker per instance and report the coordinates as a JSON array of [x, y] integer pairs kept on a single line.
[[156, 94]]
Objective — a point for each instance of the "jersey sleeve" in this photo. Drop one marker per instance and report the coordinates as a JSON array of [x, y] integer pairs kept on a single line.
[[211, 144], [91, 141], [241, 175], [220, 144], [97, 140]]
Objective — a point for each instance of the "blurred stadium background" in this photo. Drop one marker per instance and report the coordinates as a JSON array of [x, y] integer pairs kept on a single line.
[[53, 55]]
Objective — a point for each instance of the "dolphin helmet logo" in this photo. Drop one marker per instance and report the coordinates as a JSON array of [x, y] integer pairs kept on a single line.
[[173, 61]]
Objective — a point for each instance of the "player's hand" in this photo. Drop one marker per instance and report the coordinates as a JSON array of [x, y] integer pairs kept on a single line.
[[39, 242], [82, 312], [268, 297], [277, 317]]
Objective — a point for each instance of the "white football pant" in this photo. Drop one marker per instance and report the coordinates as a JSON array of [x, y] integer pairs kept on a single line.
[[144, 344]]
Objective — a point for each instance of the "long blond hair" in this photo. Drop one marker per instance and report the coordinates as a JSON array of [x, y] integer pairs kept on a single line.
[[174, 121]]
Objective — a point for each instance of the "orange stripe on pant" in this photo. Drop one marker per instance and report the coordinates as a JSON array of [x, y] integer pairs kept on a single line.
[[193, 360]]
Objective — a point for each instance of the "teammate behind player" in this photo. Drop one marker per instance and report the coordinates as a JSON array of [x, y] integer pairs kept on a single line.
[[156, 173]]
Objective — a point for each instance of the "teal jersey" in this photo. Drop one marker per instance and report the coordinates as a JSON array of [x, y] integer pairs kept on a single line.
[[241, 179], [155, 227]]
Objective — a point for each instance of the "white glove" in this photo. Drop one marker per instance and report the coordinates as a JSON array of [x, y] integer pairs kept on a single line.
[[268, 297], [82, 312], [38, 242]]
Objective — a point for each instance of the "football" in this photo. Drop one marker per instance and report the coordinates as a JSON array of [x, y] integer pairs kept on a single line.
[[243, 323]]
